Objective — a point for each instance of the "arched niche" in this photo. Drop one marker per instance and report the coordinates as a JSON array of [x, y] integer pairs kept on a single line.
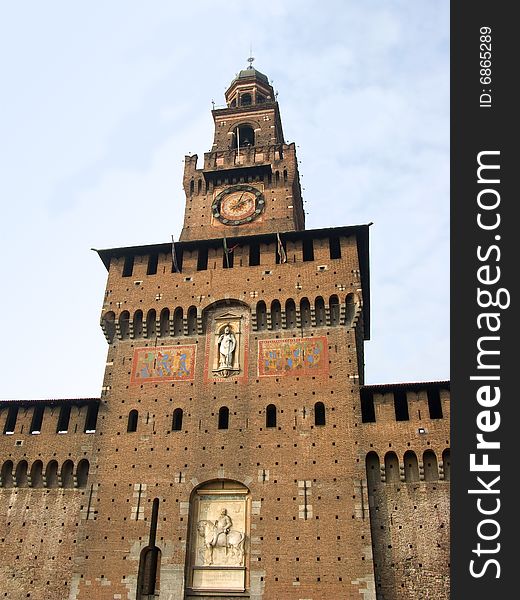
[[217, 557]]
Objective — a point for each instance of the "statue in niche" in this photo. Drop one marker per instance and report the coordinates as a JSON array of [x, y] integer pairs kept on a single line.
[[227, 344], [219, 535]]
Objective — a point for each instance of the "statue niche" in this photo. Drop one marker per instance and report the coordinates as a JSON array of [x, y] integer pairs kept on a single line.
[[227, 355]]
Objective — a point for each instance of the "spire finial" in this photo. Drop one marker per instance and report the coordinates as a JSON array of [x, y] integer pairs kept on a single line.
[[251, 57]]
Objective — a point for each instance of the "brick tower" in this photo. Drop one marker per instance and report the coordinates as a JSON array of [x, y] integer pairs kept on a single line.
[[234, 433]]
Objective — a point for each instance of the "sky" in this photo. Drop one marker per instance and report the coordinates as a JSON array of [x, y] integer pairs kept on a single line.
[[101, 102]]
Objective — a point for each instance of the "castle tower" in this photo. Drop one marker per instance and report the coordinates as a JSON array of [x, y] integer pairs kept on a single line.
[[235, 451]]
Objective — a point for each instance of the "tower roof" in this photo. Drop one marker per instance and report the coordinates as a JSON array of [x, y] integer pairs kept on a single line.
[[251, 72]]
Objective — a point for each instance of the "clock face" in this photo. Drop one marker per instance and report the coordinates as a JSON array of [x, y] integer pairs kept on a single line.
[[238, 204]]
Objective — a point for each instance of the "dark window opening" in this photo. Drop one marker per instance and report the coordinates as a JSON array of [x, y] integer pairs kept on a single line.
[[7, 474], [151, 318], [334, 310], [254, 255], [446, 463], [401, 406], [37, 419], [51, 474], [334, 247], [319, 413], [233, 103], [244, 137], [308, 250], [305, 312], [37, 474], [261, 316], [82, 472], [128, 266], [285, 175], [133, 417], [223, 418], [260, 99], [319, 311], [178, 322], [153, 261], [276, 315], [246, 100], [202, 259], [138, 324], [177, 420], [91, 418], [164, 322], [192, 187], [63, 419], [67, 474], [290, 313], [10, 423], [270, 416], [192, 320], [434, 403], [227, 259], [368, 413], [124, 325]]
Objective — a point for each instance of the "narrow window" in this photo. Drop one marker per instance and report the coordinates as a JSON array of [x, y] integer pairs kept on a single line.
[[401, 406], [51, 474], [434, 403], [446, 462], [37, 419], [223, 418], [305, 312], [149, 561], [108, 324], [270, 416], [368, 413], [153, 260], [199, 186], [192, 187], [319, 311], [334, 310], [7, 474], [177, 419], [21, 474], [202, 259], [254, 255], [192, 320], [124, 325], [128, 266], [373, 470], [350, 309], [82, 472], [285, 175], [63, 419], [178, 322], [37, 474], [91, 418], [10, 422], [319, 413], [151, 318], [334, 247], [133, 416], [308, 249]]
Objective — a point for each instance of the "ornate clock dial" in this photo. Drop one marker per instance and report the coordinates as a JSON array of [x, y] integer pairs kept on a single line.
[[238, 204]]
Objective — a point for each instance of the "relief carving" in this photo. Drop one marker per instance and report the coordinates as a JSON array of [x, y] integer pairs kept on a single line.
[[222, 545]]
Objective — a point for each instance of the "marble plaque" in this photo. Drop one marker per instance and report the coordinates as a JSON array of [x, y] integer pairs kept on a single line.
[[219, 579]]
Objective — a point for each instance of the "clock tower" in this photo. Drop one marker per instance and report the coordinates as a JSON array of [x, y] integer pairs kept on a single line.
[[249, 182]]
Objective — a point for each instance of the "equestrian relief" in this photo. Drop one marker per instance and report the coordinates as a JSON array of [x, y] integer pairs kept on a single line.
[[222, 545]]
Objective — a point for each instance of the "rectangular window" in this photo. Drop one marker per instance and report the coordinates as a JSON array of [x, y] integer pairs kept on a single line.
[[368, 413], [334, 247], [10, 422], [434, 403], [401, 406], [202, 259], [308, 250], [153, 260], [63, 419], [128, 266], [91, 418], [254, 255], [37, 419]]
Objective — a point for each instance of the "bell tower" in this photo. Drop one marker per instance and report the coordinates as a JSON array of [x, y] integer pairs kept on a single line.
[[249, 183]]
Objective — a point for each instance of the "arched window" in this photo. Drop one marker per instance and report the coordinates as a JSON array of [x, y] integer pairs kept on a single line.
[[319, 413], [192, 187], [373, 470], [82, 472], [411, 466], [199, 186], [319, 308], [270, 416], [124, 325], [7, 474], [149, 561], [285, 175], [178, 322], [37, 474], [276, 314], [108, 324], [177, 420], [446, 463], [51, 474], [431, 470], [192, 320], [244, 136], [67, 474], [305, 312], [277, 177], [165, 322], [261, 316], [391, 468], [334, 310], [223, 417], [133, 417], [138, 324], [290, 313], [21, 473]]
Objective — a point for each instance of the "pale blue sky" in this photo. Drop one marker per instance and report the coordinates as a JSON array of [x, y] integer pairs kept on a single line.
[[101, 101]]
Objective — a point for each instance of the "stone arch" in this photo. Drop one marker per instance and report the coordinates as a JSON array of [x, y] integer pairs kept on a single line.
[[7, 474], [373, 470], [21, 474], [270, 415], [82, 472], [430, 467], [51, 474], [391, 468], [411, 466], [37, 474], [67, 474]]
